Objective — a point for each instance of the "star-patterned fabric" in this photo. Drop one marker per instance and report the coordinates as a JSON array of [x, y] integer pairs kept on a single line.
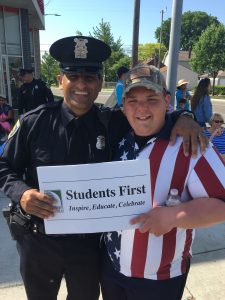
[[159, 258], [128, 149]]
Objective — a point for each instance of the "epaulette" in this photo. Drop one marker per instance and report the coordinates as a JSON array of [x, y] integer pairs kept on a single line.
[[50, 105], [42, 107]]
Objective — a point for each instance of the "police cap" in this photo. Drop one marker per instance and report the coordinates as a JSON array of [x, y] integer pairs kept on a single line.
[[25, 71], [80, 54]]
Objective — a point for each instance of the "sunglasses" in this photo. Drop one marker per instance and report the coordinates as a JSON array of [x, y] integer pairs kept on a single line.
[[218, 121]]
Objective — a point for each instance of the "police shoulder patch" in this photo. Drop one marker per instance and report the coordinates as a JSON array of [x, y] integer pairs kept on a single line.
[[14, 130]]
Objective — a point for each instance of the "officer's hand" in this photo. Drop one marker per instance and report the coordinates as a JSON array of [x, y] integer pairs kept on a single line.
[[38, 204], [192, 135], [159, 220]]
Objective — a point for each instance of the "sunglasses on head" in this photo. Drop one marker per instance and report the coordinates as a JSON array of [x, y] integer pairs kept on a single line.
[[218, 121]]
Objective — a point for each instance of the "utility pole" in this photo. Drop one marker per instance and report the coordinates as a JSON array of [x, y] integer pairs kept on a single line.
[[135, 32], [160, 38], [174, 47]]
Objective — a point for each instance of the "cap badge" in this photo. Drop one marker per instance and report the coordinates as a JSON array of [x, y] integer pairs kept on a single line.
[[100, 144], [80, 48]]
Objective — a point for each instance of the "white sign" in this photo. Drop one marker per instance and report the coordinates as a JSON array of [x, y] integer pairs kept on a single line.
[[96, 197]]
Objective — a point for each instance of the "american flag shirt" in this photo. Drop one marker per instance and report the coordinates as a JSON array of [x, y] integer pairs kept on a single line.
[[143, 255]]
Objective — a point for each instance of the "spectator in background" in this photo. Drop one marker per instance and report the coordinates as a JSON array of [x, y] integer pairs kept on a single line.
[[33, 92], [201, 104], [6, 116], [121, 73], [182, 93], [182, 104], [170, 108], [216, 133]]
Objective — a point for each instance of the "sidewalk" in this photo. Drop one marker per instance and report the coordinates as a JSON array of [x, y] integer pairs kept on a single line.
[[205, 281], [206, 278]]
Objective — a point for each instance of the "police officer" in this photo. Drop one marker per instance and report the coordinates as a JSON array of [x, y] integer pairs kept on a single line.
[[33, 92], [72, 131]]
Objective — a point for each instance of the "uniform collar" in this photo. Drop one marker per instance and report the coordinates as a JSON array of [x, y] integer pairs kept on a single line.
[[68, 115]]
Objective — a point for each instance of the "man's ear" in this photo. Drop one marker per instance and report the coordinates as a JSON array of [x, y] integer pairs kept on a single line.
[[167, 100], [100, 84], [59, 80]]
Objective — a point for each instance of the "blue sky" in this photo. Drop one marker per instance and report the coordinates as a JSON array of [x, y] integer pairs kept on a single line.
[[83, 15]]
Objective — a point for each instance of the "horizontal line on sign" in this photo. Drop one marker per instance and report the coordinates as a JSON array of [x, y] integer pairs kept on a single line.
[[111, 217], [141, 175]]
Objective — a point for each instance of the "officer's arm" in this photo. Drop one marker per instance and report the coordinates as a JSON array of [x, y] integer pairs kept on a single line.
[[13, 164], [191, 132]]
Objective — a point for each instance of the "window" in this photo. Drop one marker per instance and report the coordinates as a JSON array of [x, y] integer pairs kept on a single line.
[[12, 31], [2, 34]]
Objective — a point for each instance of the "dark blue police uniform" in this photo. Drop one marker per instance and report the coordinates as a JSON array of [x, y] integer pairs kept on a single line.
[[32, 94], [52, 135]]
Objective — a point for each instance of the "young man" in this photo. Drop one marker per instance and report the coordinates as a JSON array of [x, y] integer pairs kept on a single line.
[[152, 262], [33, 92], [72, 131]]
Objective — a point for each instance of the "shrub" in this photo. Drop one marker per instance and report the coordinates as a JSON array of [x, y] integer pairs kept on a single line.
[[219, 90]]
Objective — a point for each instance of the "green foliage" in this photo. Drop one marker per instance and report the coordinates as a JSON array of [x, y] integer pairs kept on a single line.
[[118, 57], [49, 69], [192, 26], [78, 32], [209, 51], [219, 90], [165, 33], [145, 51]]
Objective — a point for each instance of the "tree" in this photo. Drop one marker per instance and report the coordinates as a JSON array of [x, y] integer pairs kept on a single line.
[[209, 52], [148, 50], [165, 33], [118, 57], [49, 69], [192, 26]]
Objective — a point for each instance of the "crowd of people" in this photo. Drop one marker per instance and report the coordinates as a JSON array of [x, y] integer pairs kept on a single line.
[[153, 260]]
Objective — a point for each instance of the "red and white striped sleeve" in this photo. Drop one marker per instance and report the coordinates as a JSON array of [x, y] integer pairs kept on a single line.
[[207, 178]]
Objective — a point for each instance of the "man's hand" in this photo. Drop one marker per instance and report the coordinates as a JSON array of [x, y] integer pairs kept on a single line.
[[159, 220], [192, 135], [38, 204]]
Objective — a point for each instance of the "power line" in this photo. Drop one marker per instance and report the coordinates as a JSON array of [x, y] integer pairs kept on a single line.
[[47, 3]]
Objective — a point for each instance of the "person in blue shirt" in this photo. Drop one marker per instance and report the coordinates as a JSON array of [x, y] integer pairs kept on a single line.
[[121, 73], [182, 93], [216, 133], [201, 104]]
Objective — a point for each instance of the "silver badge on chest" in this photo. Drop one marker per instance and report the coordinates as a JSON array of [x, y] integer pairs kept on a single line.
[[100, 144], [80, 48]]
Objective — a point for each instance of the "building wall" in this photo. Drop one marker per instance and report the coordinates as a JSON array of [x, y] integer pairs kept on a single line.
[[22, 47], [221, 81], [184, 73], [37, 56], [189, 75], [25, 38]]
